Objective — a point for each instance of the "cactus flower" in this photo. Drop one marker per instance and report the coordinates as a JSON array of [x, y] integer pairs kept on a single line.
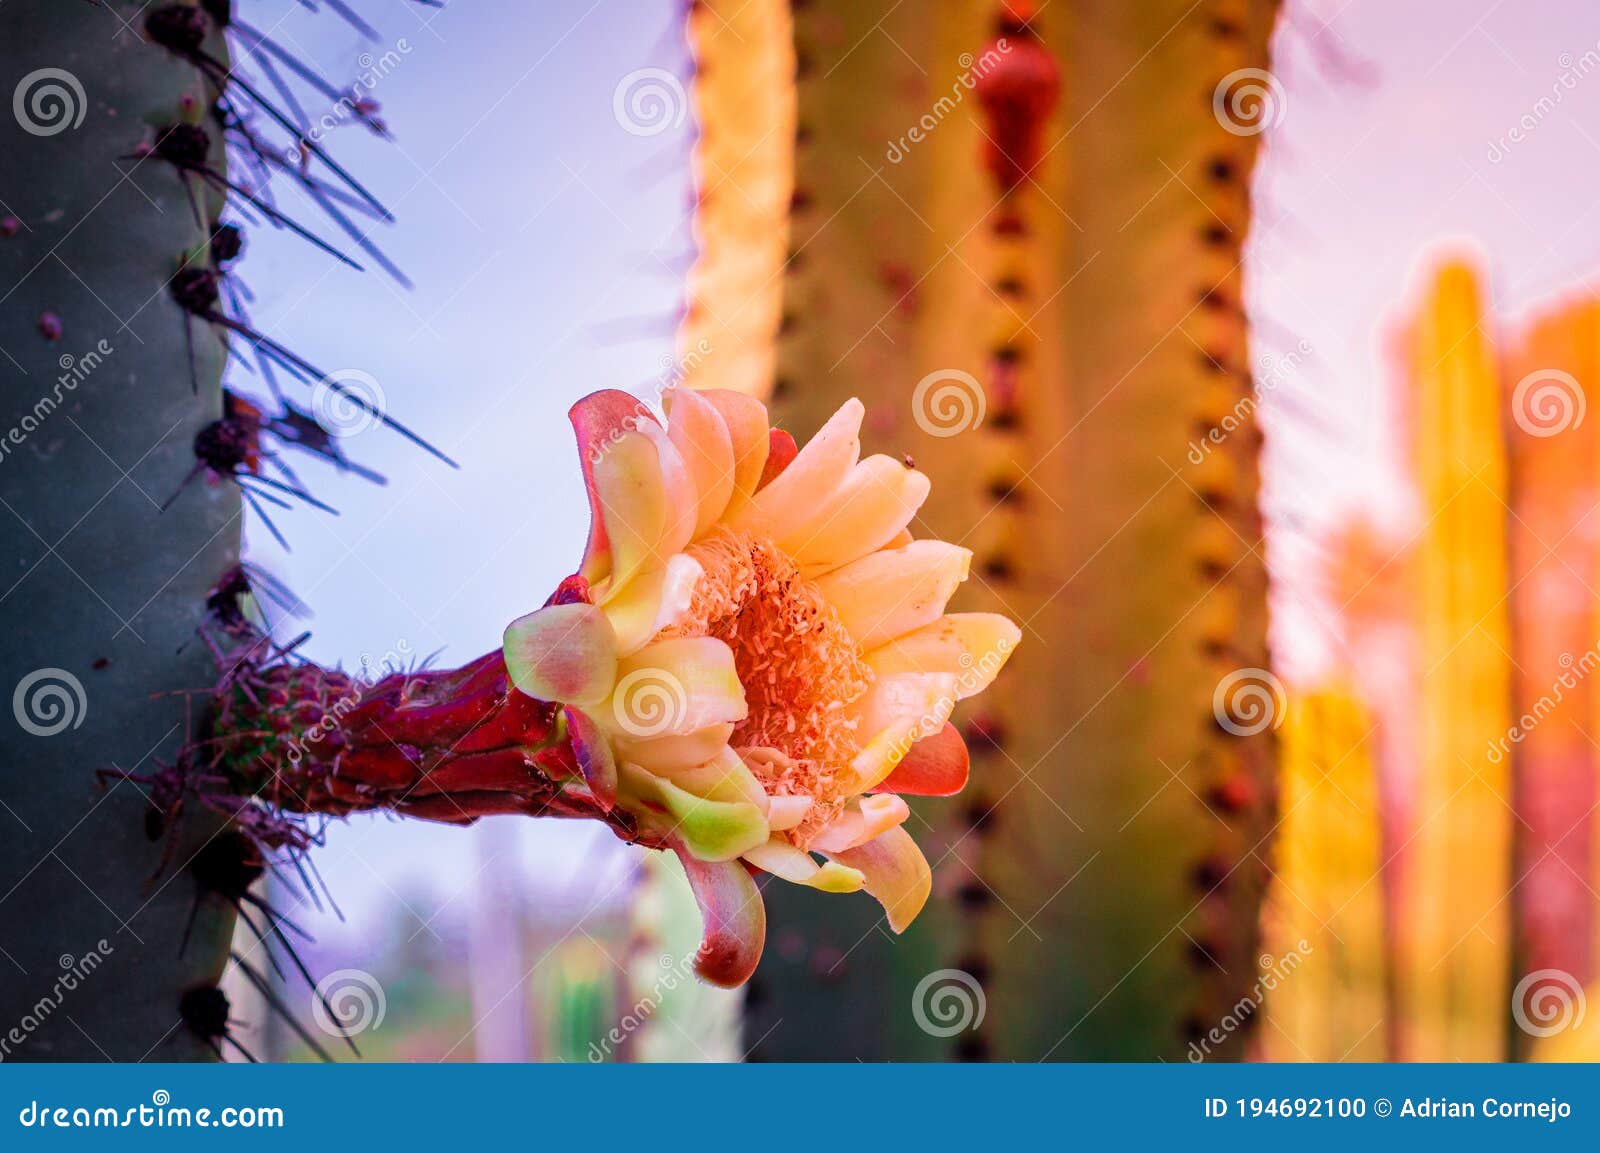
[[756, 663]]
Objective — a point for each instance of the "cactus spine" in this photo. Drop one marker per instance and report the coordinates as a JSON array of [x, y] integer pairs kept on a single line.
[[1108, 863], [108, 590]]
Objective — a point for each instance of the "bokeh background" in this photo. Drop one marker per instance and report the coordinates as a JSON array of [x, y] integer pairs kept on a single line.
[[548, 246]]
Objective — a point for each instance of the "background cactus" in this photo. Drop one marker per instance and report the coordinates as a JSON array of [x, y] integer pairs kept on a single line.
[[1551, 372], [1456, 965], [1003, 247], [1326, 943], [106, 592]]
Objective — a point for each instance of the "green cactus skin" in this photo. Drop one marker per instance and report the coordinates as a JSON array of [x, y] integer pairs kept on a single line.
[[1102, 878], [102, 585]]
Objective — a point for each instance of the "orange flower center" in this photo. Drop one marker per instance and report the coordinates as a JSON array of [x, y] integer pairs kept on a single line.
[[800, 669]]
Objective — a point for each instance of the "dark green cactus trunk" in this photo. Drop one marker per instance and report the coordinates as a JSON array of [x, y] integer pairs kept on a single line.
[[104, 590], [1101, 881]]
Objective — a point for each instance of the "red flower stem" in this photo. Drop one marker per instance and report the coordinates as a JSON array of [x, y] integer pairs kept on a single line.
[[442, 745]]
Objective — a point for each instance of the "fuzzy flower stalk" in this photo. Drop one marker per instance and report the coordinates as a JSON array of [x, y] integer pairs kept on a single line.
[[752, 667]]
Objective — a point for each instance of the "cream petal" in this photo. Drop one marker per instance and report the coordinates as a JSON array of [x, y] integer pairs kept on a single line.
[[876, 501], [782, 859], [897, 874], [598, 421], [746, 420], [925, 699], [701, 437], [878, 758], [674, 686], [820, 468], [785, 812], [565, 653], [652, 601], [869, 818], [973, 646], [890, 593], [713, 830], [723, 778], [661, 755], [646, 502]]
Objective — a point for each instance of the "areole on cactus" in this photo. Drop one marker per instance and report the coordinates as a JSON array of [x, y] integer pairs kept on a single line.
[[751, 667]]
